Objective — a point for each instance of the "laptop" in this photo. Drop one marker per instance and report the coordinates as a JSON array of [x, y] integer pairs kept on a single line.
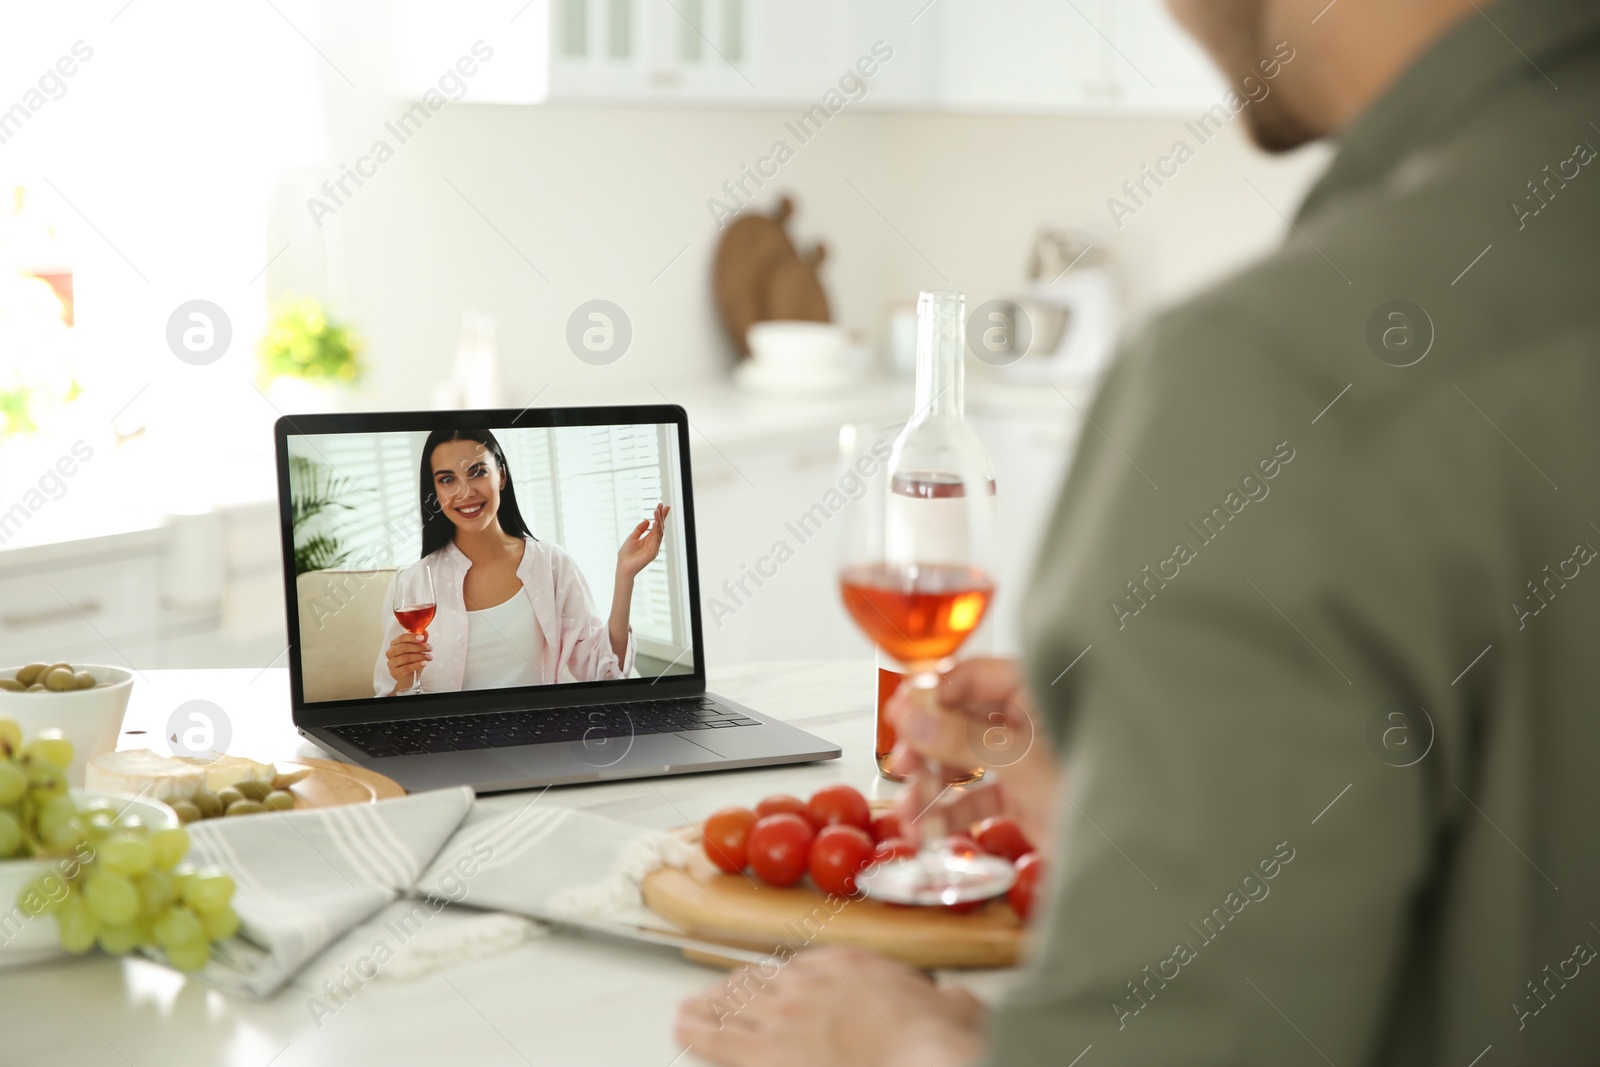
[[539, 672]]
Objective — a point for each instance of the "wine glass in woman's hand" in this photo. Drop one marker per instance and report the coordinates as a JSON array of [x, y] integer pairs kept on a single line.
[[412, 600], [642, 546]]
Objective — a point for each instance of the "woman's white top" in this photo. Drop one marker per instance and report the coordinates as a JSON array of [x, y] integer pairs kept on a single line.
[[503, 646], [573, 639]]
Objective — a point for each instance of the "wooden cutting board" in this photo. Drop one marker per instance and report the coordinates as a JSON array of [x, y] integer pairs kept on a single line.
[[332, 784], [731, 909], [758, 275]]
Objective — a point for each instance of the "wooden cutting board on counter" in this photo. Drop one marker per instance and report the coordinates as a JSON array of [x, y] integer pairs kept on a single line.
[[332, 784], [741, 912], [758, 275]]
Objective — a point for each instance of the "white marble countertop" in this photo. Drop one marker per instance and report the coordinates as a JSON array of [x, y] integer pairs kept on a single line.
[[564, 999]]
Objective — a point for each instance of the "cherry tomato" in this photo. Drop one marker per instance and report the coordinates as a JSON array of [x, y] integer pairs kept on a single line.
[[1000, 836], [962, 845], [837, 855], [1030, 869], [887, 826], [893, 848], [780, 803], [726, 838], [779, 847], [964, 909], [834, 804]]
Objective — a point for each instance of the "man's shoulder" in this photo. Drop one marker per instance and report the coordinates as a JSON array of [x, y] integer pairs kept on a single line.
[[1469, 249]]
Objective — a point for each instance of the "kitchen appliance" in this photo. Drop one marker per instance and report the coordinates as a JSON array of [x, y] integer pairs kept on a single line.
[[1071, 310]]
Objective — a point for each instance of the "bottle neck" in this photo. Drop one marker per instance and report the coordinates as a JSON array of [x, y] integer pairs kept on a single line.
[[940, 348]]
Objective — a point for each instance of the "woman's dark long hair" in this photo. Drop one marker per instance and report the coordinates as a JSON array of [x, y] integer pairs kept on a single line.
[[437, 529]]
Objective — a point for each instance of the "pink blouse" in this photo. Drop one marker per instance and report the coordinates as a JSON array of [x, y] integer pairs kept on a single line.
[[576, 637]]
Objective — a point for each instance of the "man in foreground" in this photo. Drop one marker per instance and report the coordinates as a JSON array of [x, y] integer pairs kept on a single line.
[[1325, 790]]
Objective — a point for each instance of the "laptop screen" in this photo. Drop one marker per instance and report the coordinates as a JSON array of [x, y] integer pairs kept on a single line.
[[467, 557]]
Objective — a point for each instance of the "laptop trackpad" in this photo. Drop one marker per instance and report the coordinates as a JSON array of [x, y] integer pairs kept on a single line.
[[604, 756]]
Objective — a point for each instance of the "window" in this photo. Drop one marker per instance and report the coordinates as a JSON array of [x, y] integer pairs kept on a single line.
[[379, 521], [586, 488]]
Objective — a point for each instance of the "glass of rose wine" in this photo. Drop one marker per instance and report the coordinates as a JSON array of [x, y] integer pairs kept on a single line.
[[915, 577], [412, 599]]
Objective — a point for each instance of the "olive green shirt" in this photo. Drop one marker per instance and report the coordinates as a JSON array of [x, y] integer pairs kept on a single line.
[[1331, 752]]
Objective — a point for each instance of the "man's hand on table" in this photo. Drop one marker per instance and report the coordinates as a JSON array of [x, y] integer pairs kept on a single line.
[[832, 1007], [985, 715]]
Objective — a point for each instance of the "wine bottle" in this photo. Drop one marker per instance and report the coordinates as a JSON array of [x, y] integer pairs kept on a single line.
[[922, 492]]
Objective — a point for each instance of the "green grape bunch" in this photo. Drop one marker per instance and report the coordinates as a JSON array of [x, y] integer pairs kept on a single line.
[[112, 881]]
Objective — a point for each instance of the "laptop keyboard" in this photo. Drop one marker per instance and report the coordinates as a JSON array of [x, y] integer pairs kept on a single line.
[[455, 733]]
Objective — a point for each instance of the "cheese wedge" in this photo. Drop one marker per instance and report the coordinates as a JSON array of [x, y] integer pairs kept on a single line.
[[140, 770], [222, 771]]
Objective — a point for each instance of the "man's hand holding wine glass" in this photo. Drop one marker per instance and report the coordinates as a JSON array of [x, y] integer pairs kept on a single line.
[[983, 715]]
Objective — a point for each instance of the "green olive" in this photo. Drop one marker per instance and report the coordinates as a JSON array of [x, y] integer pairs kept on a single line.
[[85, 680], [210, 807], [60, 679], [55, 666], [30, 674], [228, 797], [253, 790], [280, 800], [186, 810], [245, 807], [35, 688], [11, 685]]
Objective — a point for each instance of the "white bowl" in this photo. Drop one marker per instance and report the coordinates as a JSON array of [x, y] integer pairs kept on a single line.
[[797, 349], [24, 939], [90, 718], [752, 377]]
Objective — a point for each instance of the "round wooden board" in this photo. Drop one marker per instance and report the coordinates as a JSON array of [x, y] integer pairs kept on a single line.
[[734, 910], [332, 784]]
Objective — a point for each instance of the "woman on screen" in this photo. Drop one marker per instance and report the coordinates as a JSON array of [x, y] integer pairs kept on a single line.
[[512, 610]]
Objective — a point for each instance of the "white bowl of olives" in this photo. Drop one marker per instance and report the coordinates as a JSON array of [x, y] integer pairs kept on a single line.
[[86, 702]]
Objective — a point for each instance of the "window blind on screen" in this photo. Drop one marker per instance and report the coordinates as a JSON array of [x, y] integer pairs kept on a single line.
[[587, 487]]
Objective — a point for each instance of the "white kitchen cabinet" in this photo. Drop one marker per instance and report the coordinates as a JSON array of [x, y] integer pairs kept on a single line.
[[631, 50], [79, 605], [1017, 54], [202, 591], [1155, 66], [749, 497], [1030, 451], [1088, 55], [749, 502], [778, 52], [206, 591], [1029, 56]]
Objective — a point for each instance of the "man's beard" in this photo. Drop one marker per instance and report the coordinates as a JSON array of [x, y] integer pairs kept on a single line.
[[1235, 33]]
